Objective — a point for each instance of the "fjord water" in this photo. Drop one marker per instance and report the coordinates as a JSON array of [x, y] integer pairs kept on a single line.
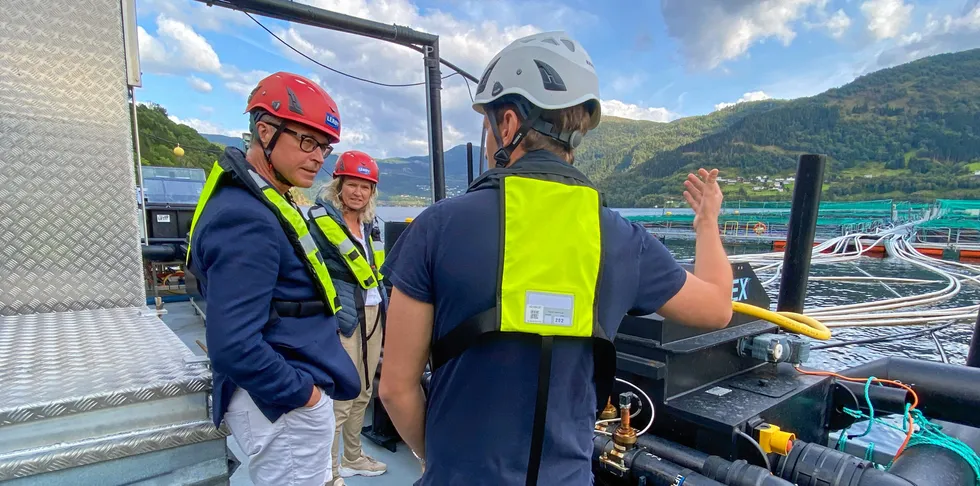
[[955, 340]]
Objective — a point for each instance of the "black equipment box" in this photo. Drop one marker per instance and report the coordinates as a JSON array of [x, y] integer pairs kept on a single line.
[[703, 390]]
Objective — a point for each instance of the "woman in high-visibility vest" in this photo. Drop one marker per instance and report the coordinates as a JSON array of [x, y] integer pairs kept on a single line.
[[342, 224]]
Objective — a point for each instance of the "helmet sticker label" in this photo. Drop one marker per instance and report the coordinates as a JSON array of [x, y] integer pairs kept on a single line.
[[364, 170], [332, 121]]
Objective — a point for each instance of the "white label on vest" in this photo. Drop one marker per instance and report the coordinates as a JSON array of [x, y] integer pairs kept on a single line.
[[163, 218], [549, 308]]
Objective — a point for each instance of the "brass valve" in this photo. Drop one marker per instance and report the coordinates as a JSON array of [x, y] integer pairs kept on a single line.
[[625, 436], [609, 412]]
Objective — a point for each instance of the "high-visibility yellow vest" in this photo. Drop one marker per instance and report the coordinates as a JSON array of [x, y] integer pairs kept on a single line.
[[367, 273], [289, 217], [550, 264]]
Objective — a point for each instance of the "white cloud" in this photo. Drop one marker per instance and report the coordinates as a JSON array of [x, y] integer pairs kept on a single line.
[[886, 18], [176, 49], [624, 84], [751, 96], [944, 33], [713, 31], [200, 85], [242, 82], [835, 24], [392, 121], [196, 14], [838, 23], [205, 126], [636, 112]]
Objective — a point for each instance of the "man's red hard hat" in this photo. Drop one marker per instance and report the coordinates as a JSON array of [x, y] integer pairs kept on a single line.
[[356, 164], [293, 97]]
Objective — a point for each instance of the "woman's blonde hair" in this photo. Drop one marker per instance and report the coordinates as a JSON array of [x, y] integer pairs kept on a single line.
[[330, 192]]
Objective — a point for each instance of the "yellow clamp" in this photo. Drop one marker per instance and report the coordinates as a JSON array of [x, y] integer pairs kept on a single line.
[[774, 440], [790, 321]]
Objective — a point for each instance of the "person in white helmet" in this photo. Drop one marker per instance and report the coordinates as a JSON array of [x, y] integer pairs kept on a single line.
[[514, 289]]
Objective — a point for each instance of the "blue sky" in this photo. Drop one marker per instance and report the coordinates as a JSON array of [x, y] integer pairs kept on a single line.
[[657, 60]]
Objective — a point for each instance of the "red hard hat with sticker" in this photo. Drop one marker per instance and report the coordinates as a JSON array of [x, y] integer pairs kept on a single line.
[[295, 98], [356, 164]]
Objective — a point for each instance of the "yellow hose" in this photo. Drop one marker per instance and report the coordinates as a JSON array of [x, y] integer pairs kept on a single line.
[[790, 321]]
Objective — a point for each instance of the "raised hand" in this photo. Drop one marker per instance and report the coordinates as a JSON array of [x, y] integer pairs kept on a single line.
[[704, 196]]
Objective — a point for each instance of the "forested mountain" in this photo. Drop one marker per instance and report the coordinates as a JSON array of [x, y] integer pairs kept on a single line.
[[911, 132]]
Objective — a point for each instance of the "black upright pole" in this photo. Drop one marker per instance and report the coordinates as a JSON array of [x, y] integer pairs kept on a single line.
[[802, 230], [433, 83], [973, 356], [469, 163]]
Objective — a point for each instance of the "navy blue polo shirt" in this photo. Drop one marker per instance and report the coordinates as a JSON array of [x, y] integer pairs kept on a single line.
[[481, 405]]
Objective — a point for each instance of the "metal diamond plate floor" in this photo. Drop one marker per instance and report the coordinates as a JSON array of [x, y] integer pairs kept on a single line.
[[70, 362]]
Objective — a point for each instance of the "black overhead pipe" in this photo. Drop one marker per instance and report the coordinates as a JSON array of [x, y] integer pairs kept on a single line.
[[801, 232], [469, 163], [946, 392], [973, 356], [427, 44], [318, 17]]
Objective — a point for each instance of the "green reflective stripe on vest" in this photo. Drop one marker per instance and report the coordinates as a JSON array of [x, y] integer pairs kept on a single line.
[[206, 192], [289, 217], [379, 256], [551, 258], [352, 257], [298, 224]]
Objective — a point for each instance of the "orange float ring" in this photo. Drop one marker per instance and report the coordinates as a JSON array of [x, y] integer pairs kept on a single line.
[[759, 228]]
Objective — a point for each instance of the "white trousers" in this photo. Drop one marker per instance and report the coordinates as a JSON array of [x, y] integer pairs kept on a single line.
[[292, 451]]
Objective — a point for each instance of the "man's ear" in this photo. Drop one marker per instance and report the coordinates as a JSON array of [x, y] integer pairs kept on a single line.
[[508, 129], [265, 132]]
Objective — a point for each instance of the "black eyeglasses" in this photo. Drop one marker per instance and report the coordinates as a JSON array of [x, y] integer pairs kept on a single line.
[[309, 144]]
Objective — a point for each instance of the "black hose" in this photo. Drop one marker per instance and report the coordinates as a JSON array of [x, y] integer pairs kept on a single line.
[[884, 398], [672, 451], [816, 465], [738, 473], [643, 466], [882, 339], [927, 464], [946, 392], [765, 457]]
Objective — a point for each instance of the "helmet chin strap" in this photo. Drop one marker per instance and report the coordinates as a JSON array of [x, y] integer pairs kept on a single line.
[[267, 151], [502, 155]]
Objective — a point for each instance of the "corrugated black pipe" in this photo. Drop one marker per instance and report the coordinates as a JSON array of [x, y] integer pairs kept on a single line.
[[946, 391], [738, 473], [815, 465]]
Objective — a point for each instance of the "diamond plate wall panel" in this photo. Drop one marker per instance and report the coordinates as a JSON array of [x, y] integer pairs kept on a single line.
[[68, 222], [60, 364], [64, 456]]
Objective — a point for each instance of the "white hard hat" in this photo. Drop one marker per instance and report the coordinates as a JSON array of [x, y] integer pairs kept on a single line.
[[549, 69]]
